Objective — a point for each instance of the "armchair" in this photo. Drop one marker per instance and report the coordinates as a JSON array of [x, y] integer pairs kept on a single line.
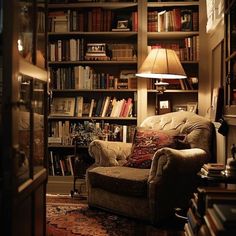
[[153, 193]]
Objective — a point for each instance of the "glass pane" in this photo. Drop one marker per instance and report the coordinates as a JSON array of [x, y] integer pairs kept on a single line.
[[38, 134], [233, 52], [23, 169], [40, 36], [25, 37]]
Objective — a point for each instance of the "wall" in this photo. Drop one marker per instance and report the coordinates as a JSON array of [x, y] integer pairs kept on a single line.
[[214, 52]]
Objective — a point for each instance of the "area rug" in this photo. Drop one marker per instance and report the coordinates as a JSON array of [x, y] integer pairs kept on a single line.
[[67, 218]]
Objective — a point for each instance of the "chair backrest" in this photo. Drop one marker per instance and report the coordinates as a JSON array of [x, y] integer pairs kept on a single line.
[[199, 131]]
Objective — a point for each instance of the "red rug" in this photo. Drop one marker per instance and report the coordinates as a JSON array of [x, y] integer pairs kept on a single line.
[[65, 217]]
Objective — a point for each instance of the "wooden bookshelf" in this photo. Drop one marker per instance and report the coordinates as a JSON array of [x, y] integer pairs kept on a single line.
[[176, 38], [139, 36]]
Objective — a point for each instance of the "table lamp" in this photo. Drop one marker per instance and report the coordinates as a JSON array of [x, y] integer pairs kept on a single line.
[[161, 64]]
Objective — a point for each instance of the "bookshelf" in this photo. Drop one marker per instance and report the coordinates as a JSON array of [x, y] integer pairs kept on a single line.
[[175, 25], [135, 38], [92, 59]]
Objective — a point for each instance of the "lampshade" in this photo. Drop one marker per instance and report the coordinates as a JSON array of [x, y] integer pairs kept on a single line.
[[161, 64]]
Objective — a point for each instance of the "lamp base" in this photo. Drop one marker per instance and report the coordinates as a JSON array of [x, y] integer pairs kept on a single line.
[[160, 86]]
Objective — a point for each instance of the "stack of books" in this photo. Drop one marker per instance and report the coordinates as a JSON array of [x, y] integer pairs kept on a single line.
[[212, 169], [202, 214], [221, 219]]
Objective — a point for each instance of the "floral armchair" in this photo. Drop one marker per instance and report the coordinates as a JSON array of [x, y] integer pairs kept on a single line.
[[152, 192]]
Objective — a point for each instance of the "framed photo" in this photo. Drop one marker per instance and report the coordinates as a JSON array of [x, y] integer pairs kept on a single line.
[[63, 107], [192, 107], [217, 102], [122, 24], [164, 107]]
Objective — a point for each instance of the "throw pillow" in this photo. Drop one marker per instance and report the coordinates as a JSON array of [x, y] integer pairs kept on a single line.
[[148, 141]]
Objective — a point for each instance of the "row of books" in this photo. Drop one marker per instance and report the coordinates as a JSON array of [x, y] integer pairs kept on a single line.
[[186, 49], [78, 50], [211, 212], [82, 133], [68, 165], [61, 165], [177, 19], [84, 77], [95, 19], [105, 106]]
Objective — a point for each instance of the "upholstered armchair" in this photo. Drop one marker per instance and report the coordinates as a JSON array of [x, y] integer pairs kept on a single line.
[[153, 193]]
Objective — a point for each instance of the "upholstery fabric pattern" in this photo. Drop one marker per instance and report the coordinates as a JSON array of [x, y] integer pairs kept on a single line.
[[146, 143]]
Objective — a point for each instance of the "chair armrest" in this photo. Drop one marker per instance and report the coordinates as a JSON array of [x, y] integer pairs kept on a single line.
[[172, 161], [109, 153], [173, 178]]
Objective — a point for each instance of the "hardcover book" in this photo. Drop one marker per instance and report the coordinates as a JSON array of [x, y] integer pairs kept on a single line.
[[227, 214]]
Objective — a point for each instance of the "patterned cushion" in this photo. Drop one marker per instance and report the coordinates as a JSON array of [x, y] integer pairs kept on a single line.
[[148, 141]]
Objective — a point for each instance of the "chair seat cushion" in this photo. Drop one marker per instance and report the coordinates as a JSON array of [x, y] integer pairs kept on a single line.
[[120, 180]]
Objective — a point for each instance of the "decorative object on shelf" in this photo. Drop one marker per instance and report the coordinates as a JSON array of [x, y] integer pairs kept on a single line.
[[161, 64], [230, 169], [96, 51], [192, 107], [164, 107], [63, 107], [122, 25]]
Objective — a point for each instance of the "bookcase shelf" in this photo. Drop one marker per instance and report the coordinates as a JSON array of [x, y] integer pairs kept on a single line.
[[173, 3], [175, 91], [105, 5], [121, 57], [140, 38], [94, 62], [171, 35], [92, 118], [93, 90], [166, 28], [118, 34]]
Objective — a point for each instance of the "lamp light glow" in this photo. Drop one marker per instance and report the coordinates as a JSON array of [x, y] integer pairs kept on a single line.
[[161, 64]]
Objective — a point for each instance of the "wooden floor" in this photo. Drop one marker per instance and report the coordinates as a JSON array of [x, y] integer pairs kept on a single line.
[[170, 227]]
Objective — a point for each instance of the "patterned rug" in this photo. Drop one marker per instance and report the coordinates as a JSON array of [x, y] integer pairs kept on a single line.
[[67, 218]]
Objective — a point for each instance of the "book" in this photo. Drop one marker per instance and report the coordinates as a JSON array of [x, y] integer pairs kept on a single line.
[[214, 166], [79, 106], [86, 108], [193, 220], [105, 107], [52, 163], [213, 223], [92, 103], [62, 167], [70, 157], [227, 214]]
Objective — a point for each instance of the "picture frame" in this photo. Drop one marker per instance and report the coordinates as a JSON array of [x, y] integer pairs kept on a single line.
[[164, 107], [122, 24], [63, 107], [217, 102], [192, 107]]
